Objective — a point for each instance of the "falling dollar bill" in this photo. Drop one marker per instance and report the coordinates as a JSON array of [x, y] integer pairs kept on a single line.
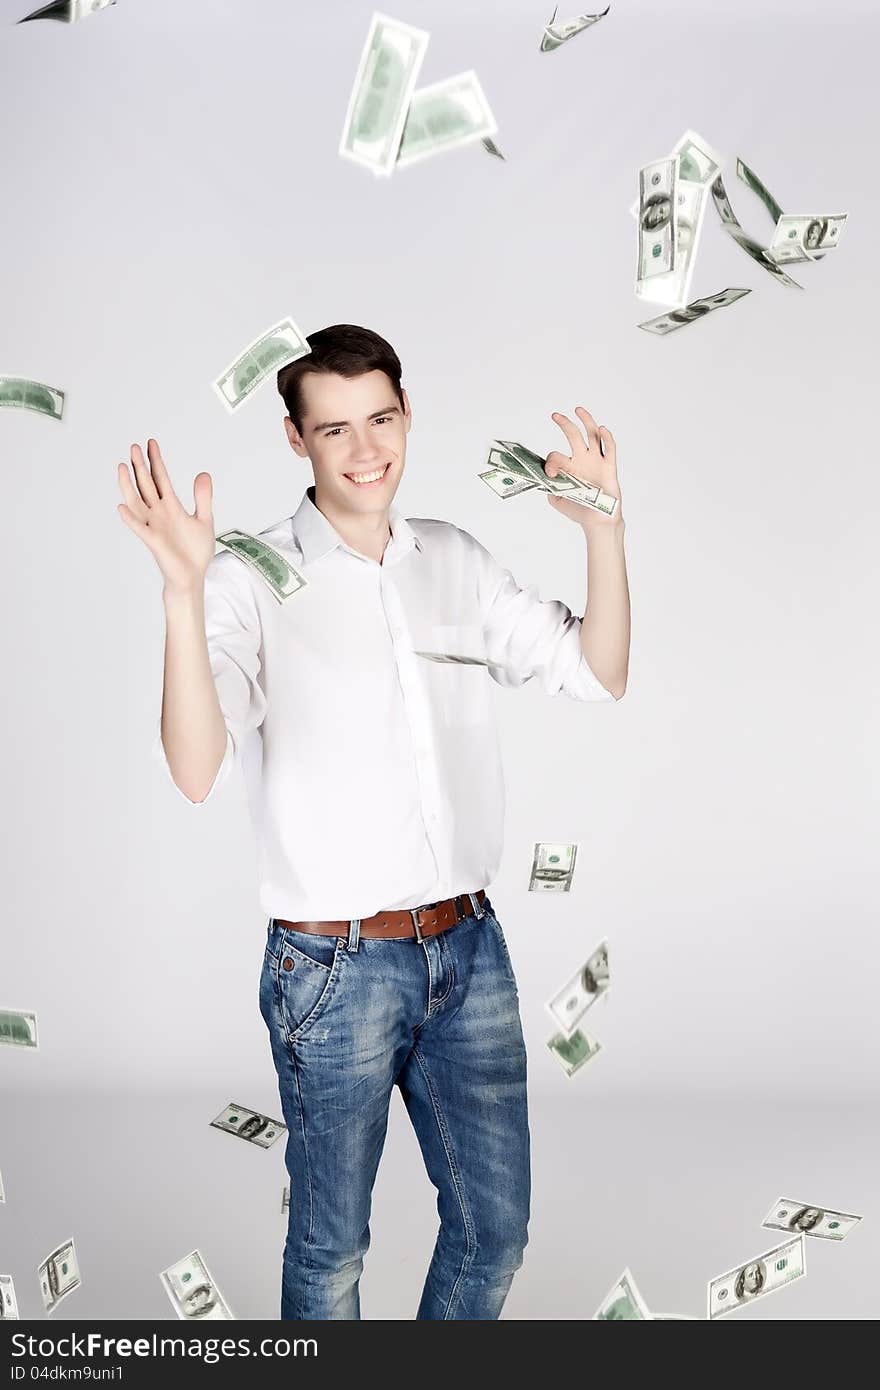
[[514, 468], [797, 237], [491, 148], [696, 165], [192, 1290], [569, 1004], [805, 237], [769, 1272], [575, 1051], [555, 34], [449, 658], [8, 1302], [383, 88], [18, 392], [448, 114], [731, 224], [274, 569], [552, 867], [658, 211], [285, 1200], [68, 10], [697, 309], [249, 1124], [623, 1303], [279, 345], [59, 1275], [813, 1221], [18, 1028], [2, 1191]]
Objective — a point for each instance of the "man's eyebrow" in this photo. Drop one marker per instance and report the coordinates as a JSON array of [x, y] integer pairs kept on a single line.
[[336, 424]]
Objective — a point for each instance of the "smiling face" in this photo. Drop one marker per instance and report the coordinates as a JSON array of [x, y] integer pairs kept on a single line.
[[352, 427]]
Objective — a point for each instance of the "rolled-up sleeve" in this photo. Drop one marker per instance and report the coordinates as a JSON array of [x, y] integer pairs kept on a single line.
[[529, 637], [234, 634]]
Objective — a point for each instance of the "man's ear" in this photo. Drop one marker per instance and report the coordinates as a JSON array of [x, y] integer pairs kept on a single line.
[[407, 411], [294, 438]]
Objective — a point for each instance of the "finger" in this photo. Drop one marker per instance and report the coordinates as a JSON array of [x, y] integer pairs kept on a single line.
[[203, 490], [159, 472], [589, 425], [608, 446], [569, 429], [143, 476], [135, 503], [555, 461]]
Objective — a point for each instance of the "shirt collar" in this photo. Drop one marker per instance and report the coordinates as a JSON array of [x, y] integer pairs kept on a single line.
[[315, 536]]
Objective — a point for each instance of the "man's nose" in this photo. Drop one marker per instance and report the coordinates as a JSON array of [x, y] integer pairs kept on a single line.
[[364, 447]]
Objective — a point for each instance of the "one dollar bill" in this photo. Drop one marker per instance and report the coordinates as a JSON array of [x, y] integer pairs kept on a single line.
[[623, 1303], [18, 1028], [249, 1124], [786, 1215], [59, 1275], [766, 1274], [275, 570], [193, 1292], [277, 347], [17, 392], [8, 1301], [383, 88]]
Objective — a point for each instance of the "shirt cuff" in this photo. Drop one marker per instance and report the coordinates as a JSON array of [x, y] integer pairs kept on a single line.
[[158, 753]]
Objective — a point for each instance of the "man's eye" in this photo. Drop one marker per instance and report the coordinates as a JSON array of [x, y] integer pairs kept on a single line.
[[338, 430], [380, 418]]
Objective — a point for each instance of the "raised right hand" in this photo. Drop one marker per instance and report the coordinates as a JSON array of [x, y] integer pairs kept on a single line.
[[182, 543]]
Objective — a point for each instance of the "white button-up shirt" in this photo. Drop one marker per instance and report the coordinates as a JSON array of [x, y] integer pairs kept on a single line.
[[373, 775]]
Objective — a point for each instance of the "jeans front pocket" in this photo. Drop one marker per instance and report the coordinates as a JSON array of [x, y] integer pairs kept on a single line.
[[305, 972]]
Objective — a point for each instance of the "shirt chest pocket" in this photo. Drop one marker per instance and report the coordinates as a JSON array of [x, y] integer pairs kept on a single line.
[[459, 689]]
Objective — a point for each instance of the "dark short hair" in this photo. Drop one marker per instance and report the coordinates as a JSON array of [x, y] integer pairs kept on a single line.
[[344, 349]]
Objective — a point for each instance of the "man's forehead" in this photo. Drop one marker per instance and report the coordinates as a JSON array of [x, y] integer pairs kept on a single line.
[[329, 390]]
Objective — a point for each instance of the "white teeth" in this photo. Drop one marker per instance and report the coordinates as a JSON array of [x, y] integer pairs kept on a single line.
[[366, 477]]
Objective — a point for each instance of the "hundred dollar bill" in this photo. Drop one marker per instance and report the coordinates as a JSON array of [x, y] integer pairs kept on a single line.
[[8, 1303], [555, 34], [193, 1292], [274, 569], [658, 213], [552, 867], [813, 1221], [751, 180], [250, 1125], [491, 148], [59, 1275], [569, 1004], [514, 461], [573, 1052], [31, 395], [18, 1028], [2, 1193], [731, 224], [279, 345], [697, 309], [805, 237], [68, 10], [696, 165], [454, 660], [769, 1272], [285, 1200], [623, 1303], [448, 114], [383, 88]]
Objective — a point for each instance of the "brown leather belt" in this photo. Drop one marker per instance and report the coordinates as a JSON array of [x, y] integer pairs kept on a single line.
[[399, 923]]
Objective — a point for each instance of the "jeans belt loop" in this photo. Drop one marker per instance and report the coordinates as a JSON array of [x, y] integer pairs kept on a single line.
[[414, 914], [479, 910], [354, 934]]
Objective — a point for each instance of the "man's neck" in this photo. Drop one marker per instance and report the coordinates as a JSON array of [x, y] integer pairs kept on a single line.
[[369, 535]]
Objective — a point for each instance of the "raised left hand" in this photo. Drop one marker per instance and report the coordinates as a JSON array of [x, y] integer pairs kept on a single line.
[[594, 460]]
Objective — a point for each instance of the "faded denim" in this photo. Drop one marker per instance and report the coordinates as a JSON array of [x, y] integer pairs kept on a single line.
[[439, 1018]]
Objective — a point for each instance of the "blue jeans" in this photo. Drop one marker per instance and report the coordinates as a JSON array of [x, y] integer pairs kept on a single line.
[[348, 1019]]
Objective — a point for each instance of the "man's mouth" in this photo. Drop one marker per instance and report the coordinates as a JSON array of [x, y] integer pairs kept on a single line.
[[368, 479]]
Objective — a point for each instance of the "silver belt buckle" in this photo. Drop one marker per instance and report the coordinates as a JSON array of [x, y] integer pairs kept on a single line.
[[414, 914]]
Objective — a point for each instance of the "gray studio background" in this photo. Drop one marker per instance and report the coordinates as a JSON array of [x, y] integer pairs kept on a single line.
[[172, 186]]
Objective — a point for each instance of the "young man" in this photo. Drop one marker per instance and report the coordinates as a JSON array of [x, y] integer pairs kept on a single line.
[[375, 786]]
